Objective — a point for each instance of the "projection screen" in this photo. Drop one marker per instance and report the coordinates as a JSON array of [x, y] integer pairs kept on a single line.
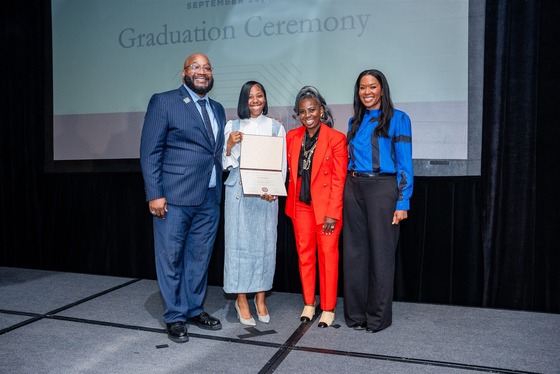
[[110, 56]]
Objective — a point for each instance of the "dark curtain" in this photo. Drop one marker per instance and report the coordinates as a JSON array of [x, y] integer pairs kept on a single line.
[[439, 257], [547, 232], [481, 241], [22, 96], [520, 156]]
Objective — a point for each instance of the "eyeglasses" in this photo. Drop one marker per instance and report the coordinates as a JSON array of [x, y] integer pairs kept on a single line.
[[195, 68]]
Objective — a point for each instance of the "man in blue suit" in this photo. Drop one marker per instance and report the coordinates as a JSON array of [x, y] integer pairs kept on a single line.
[[181, 159]]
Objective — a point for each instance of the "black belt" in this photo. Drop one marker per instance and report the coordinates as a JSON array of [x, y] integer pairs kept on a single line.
[[369, 175]]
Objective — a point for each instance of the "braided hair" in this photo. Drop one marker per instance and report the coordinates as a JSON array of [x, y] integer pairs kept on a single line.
[[310, 92]]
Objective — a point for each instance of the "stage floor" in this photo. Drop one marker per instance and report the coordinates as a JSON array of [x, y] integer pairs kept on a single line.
[[54, 322]]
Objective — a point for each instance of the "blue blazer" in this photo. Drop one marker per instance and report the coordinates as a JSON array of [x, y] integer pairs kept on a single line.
[[176, 153]]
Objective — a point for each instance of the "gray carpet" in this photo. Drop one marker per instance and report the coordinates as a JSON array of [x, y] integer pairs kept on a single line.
[[52, 322]]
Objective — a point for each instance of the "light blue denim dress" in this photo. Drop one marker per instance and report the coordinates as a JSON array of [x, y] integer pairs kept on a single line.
[[250, 233]]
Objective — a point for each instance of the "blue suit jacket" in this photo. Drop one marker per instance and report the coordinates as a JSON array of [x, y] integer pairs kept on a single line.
[[176, 153]]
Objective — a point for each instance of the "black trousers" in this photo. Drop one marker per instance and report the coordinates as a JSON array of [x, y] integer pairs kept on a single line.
[[369, 245]]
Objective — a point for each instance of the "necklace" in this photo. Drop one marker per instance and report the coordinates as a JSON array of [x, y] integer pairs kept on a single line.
[[307, 153]]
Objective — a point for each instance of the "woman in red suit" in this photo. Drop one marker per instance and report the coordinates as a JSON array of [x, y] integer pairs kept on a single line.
[[317, 161]]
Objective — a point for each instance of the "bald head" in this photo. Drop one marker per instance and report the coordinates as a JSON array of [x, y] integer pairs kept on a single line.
[[197, 74], [199, 58]]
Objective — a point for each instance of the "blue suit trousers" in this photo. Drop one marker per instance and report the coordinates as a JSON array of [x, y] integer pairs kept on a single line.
[[183, 243]]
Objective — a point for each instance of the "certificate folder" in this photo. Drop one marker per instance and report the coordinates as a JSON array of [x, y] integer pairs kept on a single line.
[[261, 165]]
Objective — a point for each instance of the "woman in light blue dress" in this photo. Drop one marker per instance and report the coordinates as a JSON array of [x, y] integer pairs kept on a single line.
[[250, 221]]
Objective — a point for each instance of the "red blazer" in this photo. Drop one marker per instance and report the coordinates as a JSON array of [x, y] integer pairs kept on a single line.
[[328, 172]]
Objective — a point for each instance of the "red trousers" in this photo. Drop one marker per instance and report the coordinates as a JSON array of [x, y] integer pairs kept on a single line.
[[312, 244]]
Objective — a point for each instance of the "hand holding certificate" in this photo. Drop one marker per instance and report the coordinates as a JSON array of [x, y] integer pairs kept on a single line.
[[261, 165]]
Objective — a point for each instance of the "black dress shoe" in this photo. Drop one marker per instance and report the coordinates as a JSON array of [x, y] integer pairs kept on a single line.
[[359, 326], [177, 332], [205, 321], [371, 330]]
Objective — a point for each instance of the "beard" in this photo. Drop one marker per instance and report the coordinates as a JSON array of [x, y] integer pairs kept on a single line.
[[199, 89]]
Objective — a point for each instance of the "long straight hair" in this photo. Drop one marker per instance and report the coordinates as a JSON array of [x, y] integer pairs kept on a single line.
[[387, 109]]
